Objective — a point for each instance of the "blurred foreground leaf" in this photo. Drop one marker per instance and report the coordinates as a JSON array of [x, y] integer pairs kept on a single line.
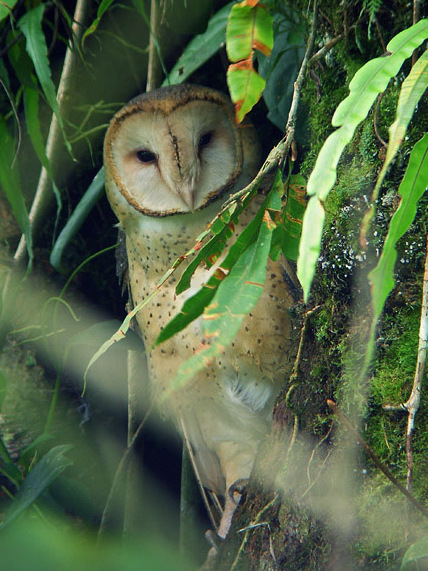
[[49, 467]]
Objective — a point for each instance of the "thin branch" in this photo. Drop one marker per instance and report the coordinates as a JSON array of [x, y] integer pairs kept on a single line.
[[107, 512], [412, 404], [375, 458]]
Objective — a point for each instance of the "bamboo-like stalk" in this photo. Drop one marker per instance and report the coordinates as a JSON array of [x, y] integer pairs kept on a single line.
[[44, 196]]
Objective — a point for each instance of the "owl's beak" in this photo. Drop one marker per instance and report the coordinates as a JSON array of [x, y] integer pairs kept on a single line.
[[187, 193]]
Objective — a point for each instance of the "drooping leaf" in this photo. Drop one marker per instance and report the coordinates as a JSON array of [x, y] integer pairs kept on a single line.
[[6, 7], [222, 228], [201, 48], [31, 106], [245, 87], [366, 85], [412, 187], [47, 469], [9, 180], [80, 213], [102, 9], [31, 26], [249, 28], [412, 89], [195, 305], [235, 297], [310, 243], [286, 236]]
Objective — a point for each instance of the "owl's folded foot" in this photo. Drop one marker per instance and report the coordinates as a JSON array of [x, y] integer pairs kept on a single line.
[[237, 489]]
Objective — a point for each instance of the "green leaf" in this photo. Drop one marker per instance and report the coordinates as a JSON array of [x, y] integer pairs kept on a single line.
[[31, 106], [102, 9], [375, 75], [235, 297], [195, 305], [6, 7], [201, 48], [9, 180], [366, 85], [192, 308], [245, 86], [310, 243], [416, 552], [38, 480], [222, 228], [249, 28], [412, 187], [31, 26], [412, 90], [74, 223], [286, 236]]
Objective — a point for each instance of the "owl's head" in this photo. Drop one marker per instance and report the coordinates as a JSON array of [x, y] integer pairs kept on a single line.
[[173, 150]]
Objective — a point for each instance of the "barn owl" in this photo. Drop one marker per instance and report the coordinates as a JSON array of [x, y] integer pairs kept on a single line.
[[171, 158]]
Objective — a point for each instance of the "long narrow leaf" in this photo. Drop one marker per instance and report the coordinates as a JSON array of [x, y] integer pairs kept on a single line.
[[249, 28], [412, 187], [31, 26], [38, 480], [195, 305], [236, 296], [366, 85], [201, 48], [412, 89], [31, 106], [78, 217], [9, 180]]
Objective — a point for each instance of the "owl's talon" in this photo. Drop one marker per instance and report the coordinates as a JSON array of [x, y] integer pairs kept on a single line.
[[238, 487]]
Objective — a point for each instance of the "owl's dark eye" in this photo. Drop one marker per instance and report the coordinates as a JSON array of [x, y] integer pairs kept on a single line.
[[145, 156], [205, 140]]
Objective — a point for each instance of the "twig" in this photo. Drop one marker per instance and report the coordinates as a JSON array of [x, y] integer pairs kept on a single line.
[[376, 130], [119, 472], [411, 406], [375, 458], [255, 524]]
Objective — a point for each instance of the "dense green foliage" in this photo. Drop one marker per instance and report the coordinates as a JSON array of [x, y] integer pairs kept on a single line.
[[361, 268]]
